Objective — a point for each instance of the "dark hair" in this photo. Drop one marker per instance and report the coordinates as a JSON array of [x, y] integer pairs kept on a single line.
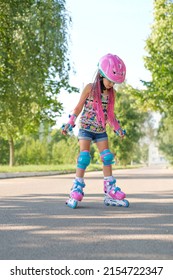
[[102, 87]]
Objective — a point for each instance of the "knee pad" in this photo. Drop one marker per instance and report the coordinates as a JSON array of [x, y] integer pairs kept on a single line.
[[107, 157], [83, 160]]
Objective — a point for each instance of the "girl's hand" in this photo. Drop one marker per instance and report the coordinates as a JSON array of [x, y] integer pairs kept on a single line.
[[64, 129], [67, 129], [121, 132]]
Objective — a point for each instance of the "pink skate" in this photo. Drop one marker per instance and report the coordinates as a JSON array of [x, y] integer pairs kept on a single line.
[[112, 191]]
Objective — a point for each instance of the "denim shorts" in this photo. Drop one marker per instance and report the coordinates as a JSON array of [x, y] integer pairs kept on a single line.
[[92, 136]]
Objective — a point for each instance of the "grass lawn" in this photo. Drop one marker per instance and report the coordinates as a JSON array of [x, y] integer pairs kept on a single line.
[[59, 167]]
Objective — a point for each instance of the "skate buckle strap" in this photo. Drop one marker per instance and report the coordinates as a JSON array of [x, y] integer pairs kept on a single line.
[[77, 183], [112, 182], [77, 189], [116, 189]]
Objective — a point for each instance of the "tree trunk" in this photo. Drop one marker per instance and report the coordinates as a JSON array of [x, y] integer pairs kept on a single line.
[[11, 159]]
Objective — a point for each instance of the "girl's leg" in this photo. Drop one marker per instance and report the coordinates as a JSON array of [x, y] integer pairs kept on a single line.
[[84, 146], [109, 181], [83, 161], [103, 145]]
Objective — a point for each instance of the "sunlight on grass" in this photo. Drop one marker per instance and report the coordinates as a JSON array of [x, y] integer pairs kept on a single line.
[[58, 167]]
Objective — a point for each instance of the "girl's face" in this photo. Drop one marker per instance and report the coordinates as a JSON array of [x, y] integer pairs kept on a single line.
[[108, 84]]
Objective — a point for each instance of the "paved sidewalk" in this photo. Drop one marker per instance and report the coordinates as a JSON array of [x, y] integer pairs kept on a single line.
[[8, 175], [35, 223]]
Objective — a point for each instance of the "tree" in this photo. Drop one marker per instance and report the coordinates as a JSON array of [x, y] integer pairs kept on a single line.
[[41, 149], [165, 137], [34, 65], [131, 119], [159, 61], [4, 151]]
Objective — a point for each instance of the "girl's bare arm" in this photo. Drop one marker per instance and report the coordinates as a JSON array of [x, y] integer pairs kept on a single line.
[[85, 93]]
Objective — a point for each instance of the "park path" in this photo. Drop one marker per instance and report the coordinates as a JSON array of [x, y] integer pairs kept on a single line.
[[36, 224]]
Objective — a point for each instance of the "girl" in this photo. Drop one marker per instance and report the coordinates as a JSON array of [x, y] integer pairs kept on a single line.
[[97, 102]]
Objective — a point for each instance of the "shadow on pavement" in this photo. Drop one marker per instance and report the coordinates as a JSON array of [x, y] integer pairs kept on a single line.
[[40, 226], [134, 176]]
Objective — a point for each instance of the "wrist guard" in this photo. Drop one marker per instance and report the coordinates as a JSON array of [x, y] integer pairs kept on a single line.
[[72, 119], [68, 128]]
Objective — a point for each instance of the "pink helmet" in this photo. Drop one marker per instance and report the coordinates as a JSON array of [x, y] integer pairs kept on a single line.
[[112, 68]]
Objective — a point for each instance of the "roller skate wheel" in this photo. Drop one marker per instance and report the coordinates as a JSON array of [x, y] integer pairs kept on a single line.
[[106, 203], [110, 202], [126, 203], [114, 202], [123, 203]]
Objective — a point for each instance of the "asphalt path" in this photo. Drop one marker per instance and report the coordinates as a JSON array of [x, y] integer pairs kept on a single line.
[[35, 223]]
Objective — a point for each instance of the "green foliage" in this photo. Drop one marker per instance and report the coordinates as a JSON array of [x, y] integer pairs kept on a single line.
[[165, 137], [33, 150], [65, 151], [159, 61], [131, 119], [34, 64], [144, 150], [59, 150], [4, 151]]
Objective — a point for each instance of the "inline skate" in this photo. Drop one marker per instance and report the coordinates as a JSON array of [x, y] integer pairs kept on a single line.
[[76, 194], [113, 194]]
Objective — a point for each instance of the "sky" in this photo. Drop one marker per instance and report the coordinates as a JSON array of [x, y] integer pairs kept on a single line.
[[99, 27]]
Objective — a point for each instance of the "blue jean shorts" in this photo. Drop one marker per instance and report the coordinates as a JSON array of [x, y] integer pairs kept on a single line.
[[92, 136]]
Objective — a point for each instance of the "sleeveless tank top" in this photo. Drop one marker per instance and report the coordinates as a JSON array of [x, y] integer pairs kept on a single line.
[[88, 120]]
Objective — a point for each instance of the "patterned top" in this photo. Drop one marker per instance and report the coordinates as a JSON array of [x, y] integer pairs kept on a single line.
[[88, 119]]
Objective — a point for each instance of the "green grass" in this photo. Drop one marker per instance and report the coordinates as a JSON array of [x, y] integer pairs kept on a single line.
[[37, 168], [59, 167]]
